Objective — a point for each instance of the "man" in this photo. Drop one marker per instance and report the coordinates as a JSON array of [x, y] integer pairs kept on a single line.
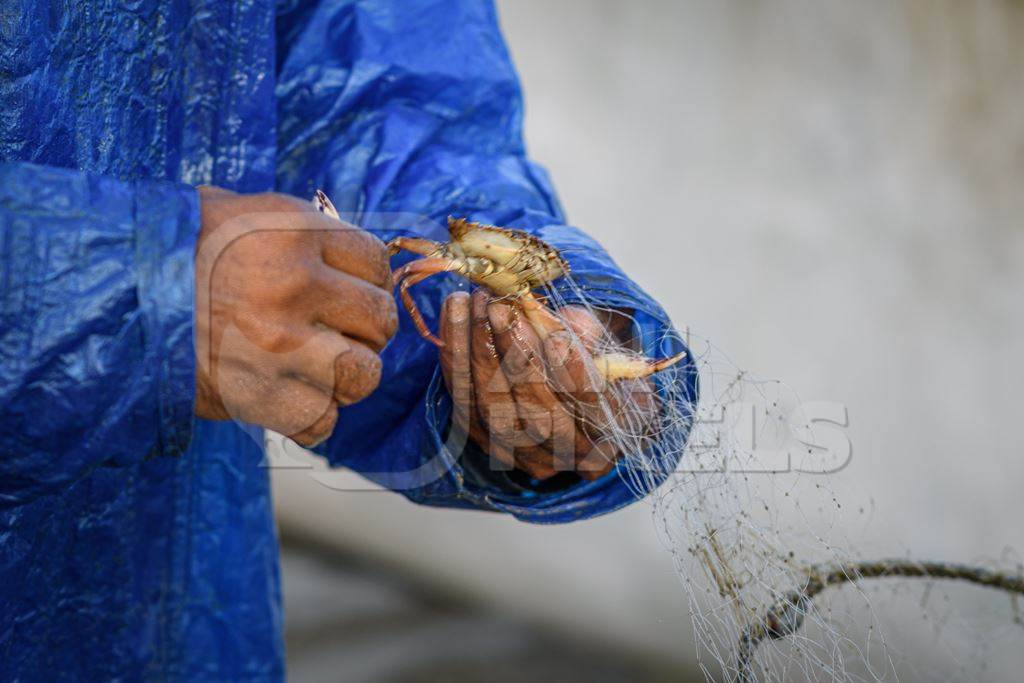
[[157, 299]]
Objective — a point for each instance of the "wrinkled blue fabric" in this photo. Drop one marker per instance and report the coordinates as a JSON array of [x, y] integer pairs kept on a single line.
[[136, 541]]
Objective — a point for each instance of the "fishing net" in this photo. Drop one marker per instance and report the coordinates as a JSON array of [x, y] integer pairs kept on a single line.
[[767, 538], [768, 545]]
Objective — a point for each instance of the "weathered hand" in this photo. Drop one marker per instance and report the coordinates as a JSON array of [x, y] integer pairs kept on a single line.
[[292, 308], [536, 405]]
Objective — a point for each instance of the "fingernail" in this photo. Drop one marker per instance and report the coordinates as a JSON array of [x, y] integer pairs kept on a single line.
[[458, 309]]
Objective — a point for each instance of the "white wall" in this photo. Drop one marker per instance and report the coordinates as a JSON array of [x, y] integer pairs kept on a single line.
[[834, 193]]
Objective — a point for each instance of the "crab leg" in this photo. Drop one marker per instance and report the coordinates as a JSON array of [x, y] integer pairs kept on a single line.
[[505, 250], [410, 274], [414, 311], [416, 245]]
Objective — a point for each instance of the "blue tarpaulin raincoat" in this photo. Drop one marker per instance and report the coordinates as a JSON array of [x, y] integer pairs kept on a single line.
[[136, 541]]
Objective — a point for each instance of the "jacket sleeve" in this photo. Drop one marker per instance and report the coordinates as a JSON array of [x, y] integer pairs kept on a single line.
[[406, 116], [98, 363]]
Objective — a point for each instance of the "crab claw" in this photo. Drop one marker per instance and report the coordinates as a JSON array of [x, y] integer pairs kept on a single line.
[[324, 205], [613, 366]]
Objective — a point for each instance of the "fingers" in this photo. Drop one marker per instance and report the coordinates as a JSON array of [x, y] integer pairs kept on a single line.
[[571, 367], [495, 424], [569, 355], [502, 456], [264, 306], [341, 368], [600, 406], [257, 387], [320, 430], [518, 349], [575, 377], [543, 416], [355, 251], [594, 460], [455, 364], [456, 367], [526, 401], [537, 462], [310, 417], [638, 406], [577, 380], [343, 246], [584, 324], [354, 307], [494, 401]]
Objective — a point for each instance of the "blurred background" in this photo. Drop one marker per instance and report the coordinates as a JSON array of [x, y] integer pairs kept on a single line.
[[832, 192]]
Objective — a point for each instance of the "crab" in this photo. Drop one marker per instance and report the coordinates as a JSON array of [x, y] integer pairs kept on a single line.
[[511, 264]]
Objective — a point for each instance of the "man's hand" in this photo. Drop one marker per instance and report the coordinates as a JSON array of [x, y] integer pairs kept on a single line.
[[539, 406], [292, 308]]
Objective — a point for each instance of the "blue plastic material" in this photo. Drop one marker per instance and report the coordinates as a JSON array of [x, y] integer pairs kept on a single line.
[[137, 542]]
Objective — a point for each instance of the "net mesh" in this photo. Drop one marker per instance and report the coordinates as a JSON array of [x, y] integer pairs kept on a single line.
[[746, 503]]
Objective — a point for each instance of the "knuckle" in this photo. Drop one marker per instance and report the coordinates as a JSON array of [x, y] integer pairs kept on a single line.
[[294, 283], [518, 364], [500, 420], [378, 316], [278, 340]]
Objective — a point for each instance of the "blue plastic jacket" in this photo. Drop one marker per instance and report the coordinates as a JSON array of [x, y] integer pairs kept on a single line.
[[137, 542]]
